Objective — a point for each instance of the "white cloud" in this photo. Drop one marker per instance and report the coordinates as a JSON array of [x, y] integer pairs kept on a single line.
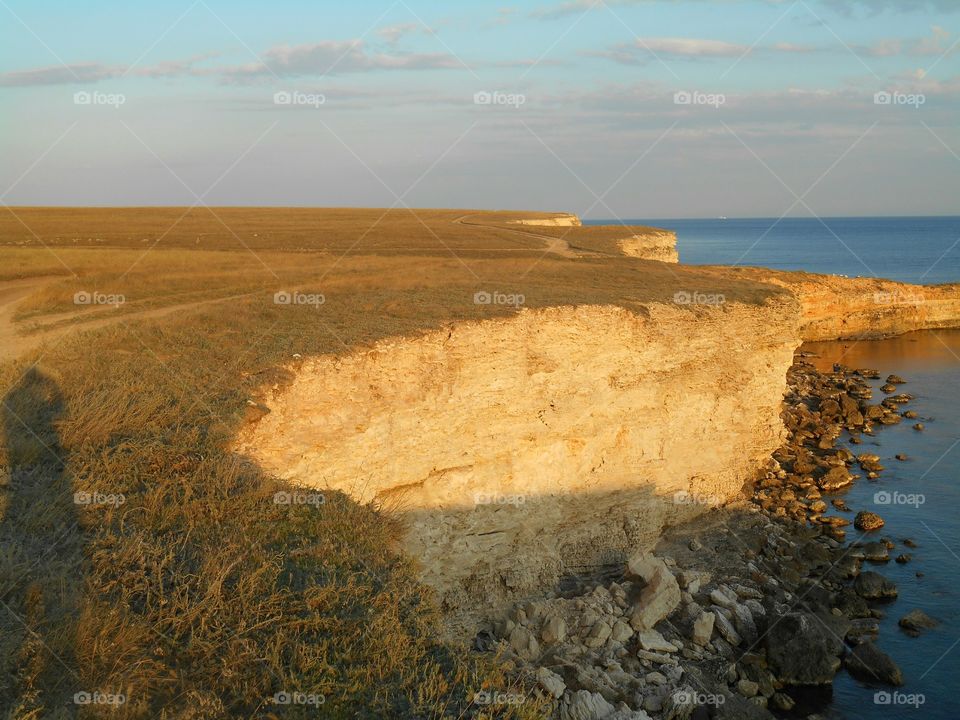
[[394, 33]]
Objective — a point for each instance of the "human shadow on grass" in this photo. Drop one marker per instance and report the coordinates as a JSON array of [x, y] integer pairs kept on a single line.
[[41, 556]]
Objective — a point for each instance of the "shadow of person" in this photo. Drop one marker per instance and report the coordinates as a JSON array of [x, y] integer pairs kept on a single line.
[[41, 556]]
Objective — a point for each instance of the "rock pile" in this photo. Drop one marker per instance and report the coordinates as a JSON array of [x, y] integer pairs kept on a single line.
[[741, 607]]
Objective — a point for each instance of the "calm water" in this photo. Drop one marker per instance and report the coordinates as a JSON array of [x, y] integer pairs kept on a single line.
[[930, 362], [923, 250], [919, 250]]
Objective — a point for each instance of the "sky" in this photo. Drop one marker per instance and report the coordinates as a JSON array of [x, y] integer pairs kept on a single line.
[[615, 109]]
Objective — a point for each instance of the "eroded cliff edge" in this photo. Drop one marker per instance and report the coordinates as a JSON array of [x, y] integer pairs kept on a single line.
[[543, 444]]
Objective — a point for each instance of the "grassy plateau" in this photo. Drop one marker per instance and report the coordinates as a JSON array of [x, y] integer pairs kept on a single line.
[[139, 556]]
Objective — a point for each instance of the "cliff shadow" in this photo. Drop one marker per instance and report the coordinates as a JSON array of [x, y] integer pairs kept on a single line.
[[42, 555]]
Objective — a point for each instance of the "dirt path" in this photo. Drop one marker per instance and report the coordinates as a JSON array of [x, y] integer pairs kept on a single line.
[[18, 338], [556, 245]]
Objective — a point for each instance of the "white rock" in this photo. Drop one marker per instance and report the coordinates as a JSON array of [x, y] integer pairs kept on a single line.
[[702, 628], [659, 597], [585, 705], [550, 682], [554, 630], [621, 632], [598, 635], [524, 643], [725, 628], [655, 642]]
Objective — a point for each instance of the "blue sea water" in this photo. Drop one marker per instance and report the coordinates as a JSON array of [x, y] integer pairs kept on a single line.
[[920, 250], [910, 249]]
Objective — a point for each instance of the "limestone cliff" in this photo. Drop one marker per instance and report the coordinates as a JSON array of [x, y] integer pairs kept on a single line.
[[558, 221], [654, 245], [839, 308], [551, 442]]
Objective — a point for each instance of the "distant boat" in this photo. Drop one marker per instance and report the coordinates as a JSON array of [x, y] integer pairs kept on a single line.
[[722, 217]]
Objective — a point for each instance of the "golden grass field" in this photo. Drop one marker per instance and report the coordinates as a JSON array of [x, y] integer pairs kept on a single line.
[[197, 596]]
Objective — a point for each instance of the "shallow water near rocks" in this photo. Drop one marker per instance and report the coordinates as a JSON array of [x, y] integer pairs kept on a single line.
[[930, 363]]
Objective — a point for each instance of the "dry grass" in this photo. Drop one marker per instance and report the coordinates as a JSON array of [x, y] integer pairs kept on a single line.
[[198, 596]]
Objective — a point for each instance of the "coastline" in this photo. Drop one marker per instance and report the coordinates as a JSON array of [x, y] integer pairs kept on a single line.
[[758, 604]]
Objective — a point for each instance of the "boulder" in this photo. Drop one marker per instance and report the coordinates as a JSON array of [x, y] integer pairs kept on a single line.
[[876, 552], [554, 630], [659, 597], [598, 635], [725, 628], [803, 649], [867, 521], [524, 643], [550, 682], [835, 479], [868, 662], [585, 705], [916, 620], [654, 642], [872, 585], [702, 628]]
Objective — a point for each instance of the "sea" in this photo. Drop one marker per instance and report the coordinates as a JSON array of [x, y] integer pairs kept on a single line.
[[918, 498]]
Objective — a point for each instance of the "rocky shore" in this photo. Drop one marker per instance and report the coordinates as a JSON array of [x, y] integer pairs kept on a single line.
[[748, 611]]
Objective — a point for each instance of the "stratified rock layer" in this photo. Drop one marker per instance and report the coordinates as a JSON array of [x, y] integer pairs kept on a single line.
[[548, 443]]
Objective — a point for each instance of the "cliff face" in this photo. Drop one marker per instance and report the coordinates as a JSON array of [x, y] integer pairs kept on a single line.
[[655, 245], [558, 221], [551, 442], [838, 308]]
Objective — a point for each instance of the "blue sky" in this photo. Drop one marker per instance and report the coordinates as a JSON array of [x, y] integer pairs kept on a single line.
[[588, 109]]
